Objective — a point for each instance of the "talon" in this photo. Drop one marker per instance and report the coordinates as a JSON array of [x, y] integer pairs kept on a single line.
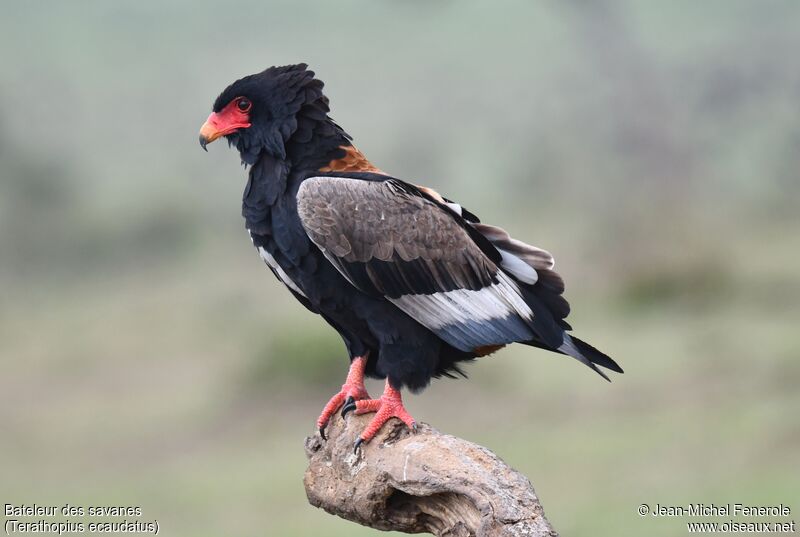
[[389, 406], [349, 405], [358, 444], [414, 428], [352, 389]]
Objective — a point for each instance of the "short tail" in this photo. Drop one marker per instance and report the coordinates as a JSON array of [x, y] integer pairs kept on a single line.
[[584, 353], [588, 355]]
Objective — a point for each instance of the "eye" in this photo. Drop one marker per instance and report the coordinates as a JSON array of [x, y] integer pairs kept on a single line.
[[244, 104]]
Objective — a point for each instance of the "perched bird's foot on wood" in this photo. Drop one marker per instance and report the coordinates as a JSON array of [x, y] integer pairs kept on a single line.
[[389, 406], [428, 482], [352, 390]]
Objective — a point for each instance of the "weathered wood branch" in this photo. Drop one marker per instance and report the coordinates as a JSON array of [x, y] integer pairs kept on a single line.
[[416, 483]]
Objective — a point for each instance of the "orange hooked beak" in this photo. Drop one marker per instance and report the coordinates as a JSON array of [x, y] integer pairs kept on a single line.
[[210, 131], [224, 122]]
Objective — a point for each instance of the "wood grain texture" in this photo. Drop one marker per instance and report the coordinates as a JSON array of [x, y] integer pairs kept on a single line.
[[426, 482]]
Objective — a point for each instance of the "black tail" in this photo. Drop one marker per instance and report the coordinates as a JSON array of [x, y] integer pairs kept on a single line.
[[584, 353]]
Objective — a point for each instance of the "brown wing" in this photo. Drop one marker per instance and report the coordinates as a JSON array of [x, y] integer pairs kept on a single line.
[[529, 265], [387, 239]]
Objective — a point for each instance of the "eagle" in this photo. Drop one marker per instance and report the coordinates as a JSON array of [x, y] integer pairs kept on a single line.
[[414, 283]]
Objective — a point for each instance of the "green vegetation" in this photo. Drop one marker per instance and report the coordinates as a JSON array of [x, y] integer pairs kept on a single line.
[[149, 358]]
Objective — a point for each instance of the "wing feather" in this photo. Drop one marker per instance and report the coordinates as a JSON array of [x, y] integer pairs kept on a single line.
[[472, 284], [387, 239]]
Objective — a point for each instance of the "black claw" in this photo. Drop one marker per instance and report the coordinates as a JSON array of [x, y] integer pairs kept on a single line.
[[349, 404], [322, 433], [358, 444], [414, 427]]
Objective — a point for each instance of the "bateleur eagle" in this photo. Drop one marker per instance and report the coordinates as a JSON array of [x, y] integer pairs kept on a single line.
[[414, 283]]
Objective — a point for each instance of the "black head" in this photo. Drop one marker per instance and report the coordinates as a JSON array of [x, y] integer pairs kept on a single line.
[[259, 112]]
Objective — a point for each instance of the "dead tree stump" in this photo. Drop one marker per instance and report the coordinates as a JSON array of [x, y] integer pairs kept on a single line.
[[416, 483]]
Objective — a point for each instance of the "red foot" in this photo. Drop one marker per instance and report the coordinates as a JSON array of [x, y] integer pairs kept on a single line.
[[389, 406], [352, 387]]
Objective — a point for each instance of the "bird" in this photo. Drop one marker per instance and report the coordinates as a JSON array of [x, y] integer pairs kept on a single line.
[[415, 284]]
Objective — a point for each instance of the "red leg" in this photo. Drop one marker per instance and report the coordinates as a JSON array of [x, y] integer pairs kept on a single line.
[[353, 388], [389, 406]]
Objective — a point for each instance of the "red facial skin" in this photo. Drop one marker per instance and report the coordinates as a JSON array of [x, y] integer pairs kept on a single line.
[[234, 116]]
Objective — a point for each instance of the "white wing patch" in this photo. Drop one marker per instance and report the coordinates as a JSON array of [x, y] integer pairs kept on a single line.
[[530, 255], [265, 255], [496, 301], [517, 267], [455, 207]]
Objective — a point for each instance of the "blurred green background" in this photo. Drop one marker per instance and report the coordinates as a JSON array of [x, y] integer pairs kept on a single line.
[[149, 358]]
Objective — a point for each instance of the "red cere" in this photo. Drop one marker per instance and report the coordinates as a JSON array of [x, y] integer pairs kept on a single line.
[[234, 116]]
